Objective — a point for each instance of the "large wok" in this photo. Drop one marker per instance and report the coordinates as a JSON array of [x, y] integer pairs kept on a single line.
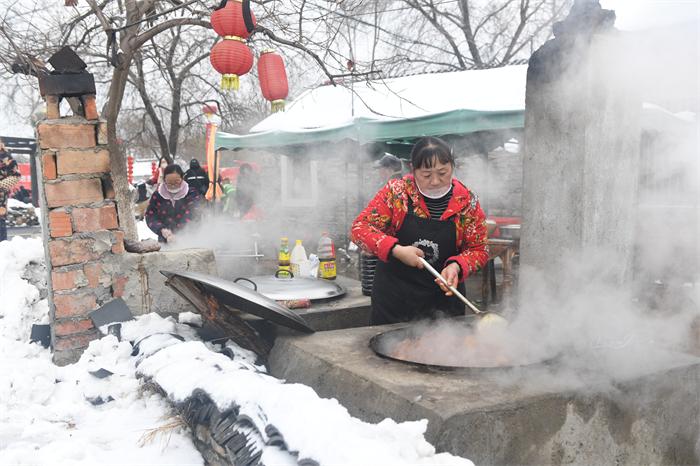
[[385, 345]]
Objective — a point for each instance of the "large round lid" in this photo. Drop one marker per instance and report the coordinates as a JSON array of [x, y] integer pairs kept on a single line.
[[237, 296], [286, 288]]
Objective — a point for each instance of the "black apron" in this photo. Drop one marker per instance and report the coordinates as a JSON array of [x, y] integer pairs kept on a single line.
[[401, 293]]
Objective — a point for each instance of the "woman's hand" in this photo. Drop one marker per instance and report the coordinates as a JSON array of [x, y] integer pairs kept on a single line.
[[408, 255], [167, 234], [3, 211], [451, 275]]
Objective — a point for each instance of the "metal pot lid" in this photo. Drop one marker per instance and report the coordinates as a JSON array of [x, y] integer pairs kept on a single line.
[[233, 295], [286, 288]]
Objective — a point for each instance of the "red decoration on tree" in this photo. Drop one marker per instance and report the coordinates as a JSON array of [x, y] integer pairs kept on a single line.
[[273, 79], [232, 58], [228, 21], [130, 169]]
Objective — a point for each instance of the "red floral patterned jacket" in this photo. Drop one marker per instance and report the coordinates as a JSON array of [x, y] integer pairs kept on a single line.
[[374, 229]]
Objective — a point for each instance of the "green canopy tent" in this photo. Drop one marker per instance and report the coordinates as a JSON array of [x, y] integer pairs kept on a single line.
[[396, 109]]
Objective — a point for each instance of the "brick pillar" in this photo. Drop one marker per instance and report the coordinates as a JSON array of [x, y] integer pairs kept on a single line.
[[82, 239]]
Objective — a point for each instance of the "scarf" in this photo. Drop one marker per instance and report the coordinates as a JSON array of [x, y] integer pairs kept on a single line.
[[172, 197]]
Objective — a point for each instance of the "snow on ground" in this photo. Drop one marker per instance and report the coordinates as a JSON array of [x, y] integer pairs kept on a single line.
[[46, 414]]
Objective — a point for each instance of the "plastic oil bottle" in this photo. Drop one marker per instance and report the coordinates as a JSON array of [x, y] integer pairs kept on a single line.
[[326, 257], [284, 258], [298, 259]]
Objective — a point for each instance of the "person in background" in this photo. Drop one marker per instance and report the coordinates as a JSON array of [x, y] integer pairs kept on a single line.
[[426, 214], [173, 205], [247, 187], [227, 194], [157, 177], [9, 177], [390, 167], [197, 178]]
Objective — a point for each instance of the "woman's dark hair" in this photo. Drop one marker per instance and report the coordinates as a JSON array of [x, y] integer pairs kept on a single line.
[[173, 168], [427, 149]]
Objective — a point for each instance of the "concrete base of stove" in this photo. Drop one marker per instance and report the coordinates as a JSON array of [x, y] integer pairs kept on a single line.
[[533, 415]]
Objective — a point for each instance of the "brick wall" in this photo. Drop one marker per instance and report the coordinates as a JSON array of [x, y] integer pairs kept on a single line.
[[81, 231]]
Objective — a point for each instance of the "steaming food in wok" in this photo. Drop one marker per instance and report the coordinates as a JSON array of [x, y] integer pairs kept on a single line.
[[490, 345]]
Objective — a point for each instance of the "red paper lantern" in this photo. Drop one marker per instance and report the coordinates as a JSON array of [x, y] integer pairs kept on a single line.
[[232, 58], [273, 79], [228, 21]]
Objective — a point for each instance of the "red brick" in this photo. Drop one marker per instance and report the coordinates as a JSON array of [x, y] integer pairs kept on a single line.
[[69, 327], [74, 305], [67, 280], [90, 105], [49, 165], [118, 247], [52, 107], [82, 161], [118, 285], [95, 219], [74, 341], [60, 136], [59, 224], [92, 272], [75, 251], [73, 192]]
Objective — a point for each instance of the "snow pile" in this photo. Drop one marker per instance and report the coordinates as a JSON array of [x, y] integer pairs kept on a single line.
[[317, 428], [46, 416]]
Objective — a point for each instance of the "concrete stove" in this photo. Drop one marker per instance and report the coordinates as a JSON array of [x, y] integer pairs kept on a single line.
[[522, 416]]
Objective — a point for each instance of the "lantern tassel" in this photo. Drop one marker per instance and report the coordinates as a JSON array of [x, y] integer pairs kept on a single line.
[[230, 82], [278, 105]]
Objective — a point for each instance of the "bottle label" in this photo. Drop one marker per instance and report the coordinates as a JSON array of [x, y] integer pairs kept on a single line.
[[327, 269]]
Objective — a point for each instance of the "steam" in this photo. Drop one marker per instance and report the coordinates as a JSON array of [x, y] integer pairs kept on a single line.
[[576, 309]]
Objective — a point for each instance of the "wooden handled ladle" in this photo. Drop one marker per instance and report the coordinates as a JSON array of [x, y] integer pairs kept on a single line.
[[459, 295]]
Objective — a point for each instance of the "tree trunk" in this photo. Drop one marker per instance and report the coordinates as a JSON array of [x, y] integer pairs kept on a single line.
[[117, 157], [175, 116]]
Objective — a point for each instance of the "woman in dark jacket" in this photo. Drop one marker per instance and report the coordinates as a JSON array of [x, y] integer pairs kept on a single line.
[[197, 178], [173, 205]]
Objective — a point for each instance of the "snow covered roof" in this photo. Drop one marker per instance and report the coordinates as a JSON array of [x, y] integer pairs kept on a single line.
[[457, 102]]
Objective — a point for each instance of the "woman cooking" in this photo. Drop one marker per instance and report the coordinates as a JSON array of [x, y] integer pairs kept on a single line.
[[173, 205], [425, 214]]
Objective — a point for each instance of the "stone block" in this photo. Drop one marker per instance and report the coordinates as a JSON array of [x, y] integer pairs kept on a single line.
[[64, 135], [59, 224], [76, 251], [68, 280], [49, 165], [69, 327], [90, 106], [94, 219], [73, 192], [70, 161], [74, 305], [145, 291]]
